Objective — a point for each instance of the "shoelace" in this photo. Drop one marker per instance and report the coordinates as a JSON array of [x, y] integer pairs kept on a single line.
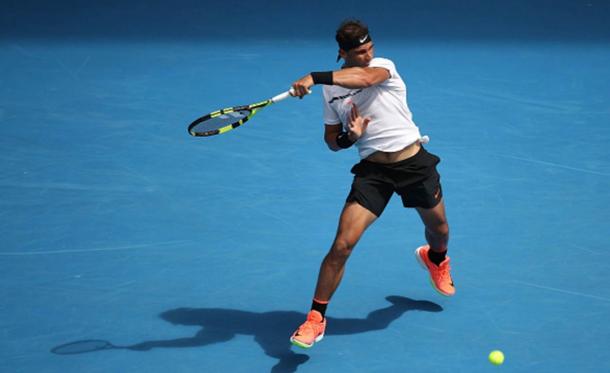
[[312, 324], [308, 325], [444, 269]]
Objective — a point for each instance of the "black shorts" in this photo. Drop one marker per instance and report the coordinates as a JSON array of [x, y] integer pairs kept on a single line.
[[415, 179]]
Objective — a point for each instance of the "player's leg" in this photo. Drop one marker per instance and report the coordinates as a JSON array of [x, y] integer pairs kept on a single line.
[[368, 197], [433, 256], [354, 220], [436, 226], [419, 187]]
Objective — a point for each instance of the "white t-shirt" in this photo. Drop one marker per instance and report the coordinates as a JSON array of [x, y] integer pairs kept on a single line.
[[391, 127]]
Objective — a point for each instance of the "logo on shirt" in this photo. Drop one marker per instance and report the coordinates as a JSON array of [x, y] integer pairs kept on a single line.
[[353, 93]]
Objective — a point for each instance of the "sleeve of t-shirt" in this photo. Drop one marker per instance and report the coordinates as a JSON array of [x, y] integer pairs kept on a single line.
[[384, 63], [330, 116]]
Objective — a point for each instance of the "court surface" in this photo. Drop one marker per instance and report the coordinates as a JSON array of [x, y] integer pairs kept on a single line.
[[201, 254]]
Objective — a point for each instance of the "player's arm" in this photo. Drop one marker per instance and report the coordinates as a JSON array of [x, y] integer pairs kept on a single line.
[[351, 77], [331, 131], [360, 77], [337, 139]]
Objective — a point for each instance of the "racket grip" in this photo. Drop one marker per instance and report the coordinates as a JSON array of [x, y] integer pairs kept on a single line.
[[285, 95], [282, 96]]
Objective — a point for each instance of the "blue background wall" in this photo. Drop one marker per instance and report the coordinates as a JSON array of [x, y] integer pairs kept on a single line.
[[561, 20]]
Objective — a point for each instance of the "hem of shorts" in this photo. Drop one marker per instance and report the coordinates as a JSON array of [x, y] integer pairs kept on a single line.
[[406, 160], [353, 199], [373, 150], [427, 208]]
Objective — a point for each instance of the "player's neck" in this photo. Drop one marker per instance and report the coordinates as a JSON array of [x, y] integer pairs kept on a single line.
[[348, 64]]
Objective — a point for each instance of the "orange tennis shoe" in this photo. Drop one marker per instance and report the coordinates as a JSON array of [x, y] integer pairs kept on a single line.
[[440, 276], [311, 331]]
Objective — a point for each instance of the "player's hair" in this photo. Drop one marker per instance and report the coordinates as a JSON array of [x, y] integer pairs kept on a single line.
[[350, 32]]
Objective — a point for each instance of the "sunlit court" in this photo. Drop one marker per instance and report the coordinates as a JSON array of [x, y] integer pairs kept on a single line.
[[129, 245]]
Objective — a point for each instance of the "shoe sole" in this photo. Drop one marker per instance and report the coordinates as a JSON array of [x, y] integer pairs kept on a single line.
[[304, 345], [425, 267]]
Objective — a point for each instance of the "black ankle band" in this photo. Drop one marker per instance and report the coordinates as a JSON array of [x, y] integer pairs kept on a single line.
[[320, 307], [437, 258]]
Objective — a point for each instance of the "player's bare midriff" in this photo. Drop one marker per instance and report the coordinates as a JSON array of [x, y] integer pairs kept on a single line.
[[393, 157]]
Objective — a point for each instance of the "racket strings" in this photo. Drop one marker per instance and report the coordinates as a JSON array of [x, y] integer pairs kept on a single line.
[[219, 121]]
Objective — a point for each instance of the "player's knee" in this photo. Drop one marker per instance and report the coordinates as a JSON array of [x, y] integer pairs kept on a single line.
[[440, 229], [341, 249]]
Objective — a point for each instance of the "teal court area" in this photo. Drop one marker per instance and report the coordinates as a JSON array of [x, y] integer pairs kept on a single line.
[[130, 246]]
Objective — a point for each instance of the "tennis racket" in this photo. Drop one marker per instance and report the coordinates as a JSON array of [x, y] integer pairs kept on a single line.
[[225, 120]]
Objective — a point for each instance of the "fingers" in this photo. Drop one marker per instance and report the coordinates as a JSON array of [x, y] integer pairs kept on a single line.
[[301, 86], [365, 124], [299, 90], [360, 124], [354, 115], [357, 124]]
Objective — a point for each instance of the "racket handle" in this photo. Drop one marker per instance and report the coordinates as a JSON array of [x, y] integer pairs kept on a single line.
[[285, 95], [282, 96]]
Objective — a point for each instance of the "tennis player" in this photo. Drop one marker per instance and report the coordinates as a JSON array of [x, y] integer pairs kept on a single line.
[[365, 104]]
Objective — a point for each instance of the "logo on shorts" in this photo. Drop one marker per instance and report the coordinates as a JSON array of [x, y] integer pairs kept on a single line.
[[437, 193]]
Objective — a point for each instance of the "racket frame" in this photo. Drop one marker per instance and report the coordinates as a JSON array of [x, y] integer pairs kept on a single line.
[[253, 109]]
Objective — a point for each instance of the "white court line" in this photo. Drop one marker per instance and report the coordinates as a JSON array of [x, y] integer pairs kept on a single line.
[[128, 247], [72, 186], [588, 250], [561, 290], [553, 164]]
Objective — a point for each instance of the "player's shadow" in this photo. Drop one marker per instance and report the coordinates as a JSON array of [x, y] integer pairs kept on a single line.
[[271, 330]]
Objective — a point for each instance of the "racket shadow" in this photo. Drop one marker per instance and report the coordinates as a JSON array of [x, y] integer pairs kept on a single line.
[[271, 330]]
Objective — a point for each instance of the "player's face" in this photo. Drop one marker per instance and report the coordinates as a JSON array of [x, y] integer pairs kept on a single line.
[[359, 57]]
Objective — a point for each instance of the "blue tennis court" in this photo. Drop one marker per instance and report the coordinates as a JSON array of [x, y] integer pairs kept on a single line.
[[163, 252]]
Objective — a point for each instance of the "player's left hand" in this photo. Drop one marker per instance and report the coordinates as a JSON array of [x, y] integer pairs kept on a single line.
[[357, 124]]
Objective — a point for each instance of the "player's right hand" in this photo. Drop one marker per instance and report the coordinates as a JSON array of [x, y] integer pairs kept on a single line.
[[301, 86]]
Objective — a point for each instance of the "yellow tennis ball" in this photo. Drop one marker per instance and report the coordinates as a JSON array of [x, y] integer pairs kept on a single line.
[[496, 357]]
